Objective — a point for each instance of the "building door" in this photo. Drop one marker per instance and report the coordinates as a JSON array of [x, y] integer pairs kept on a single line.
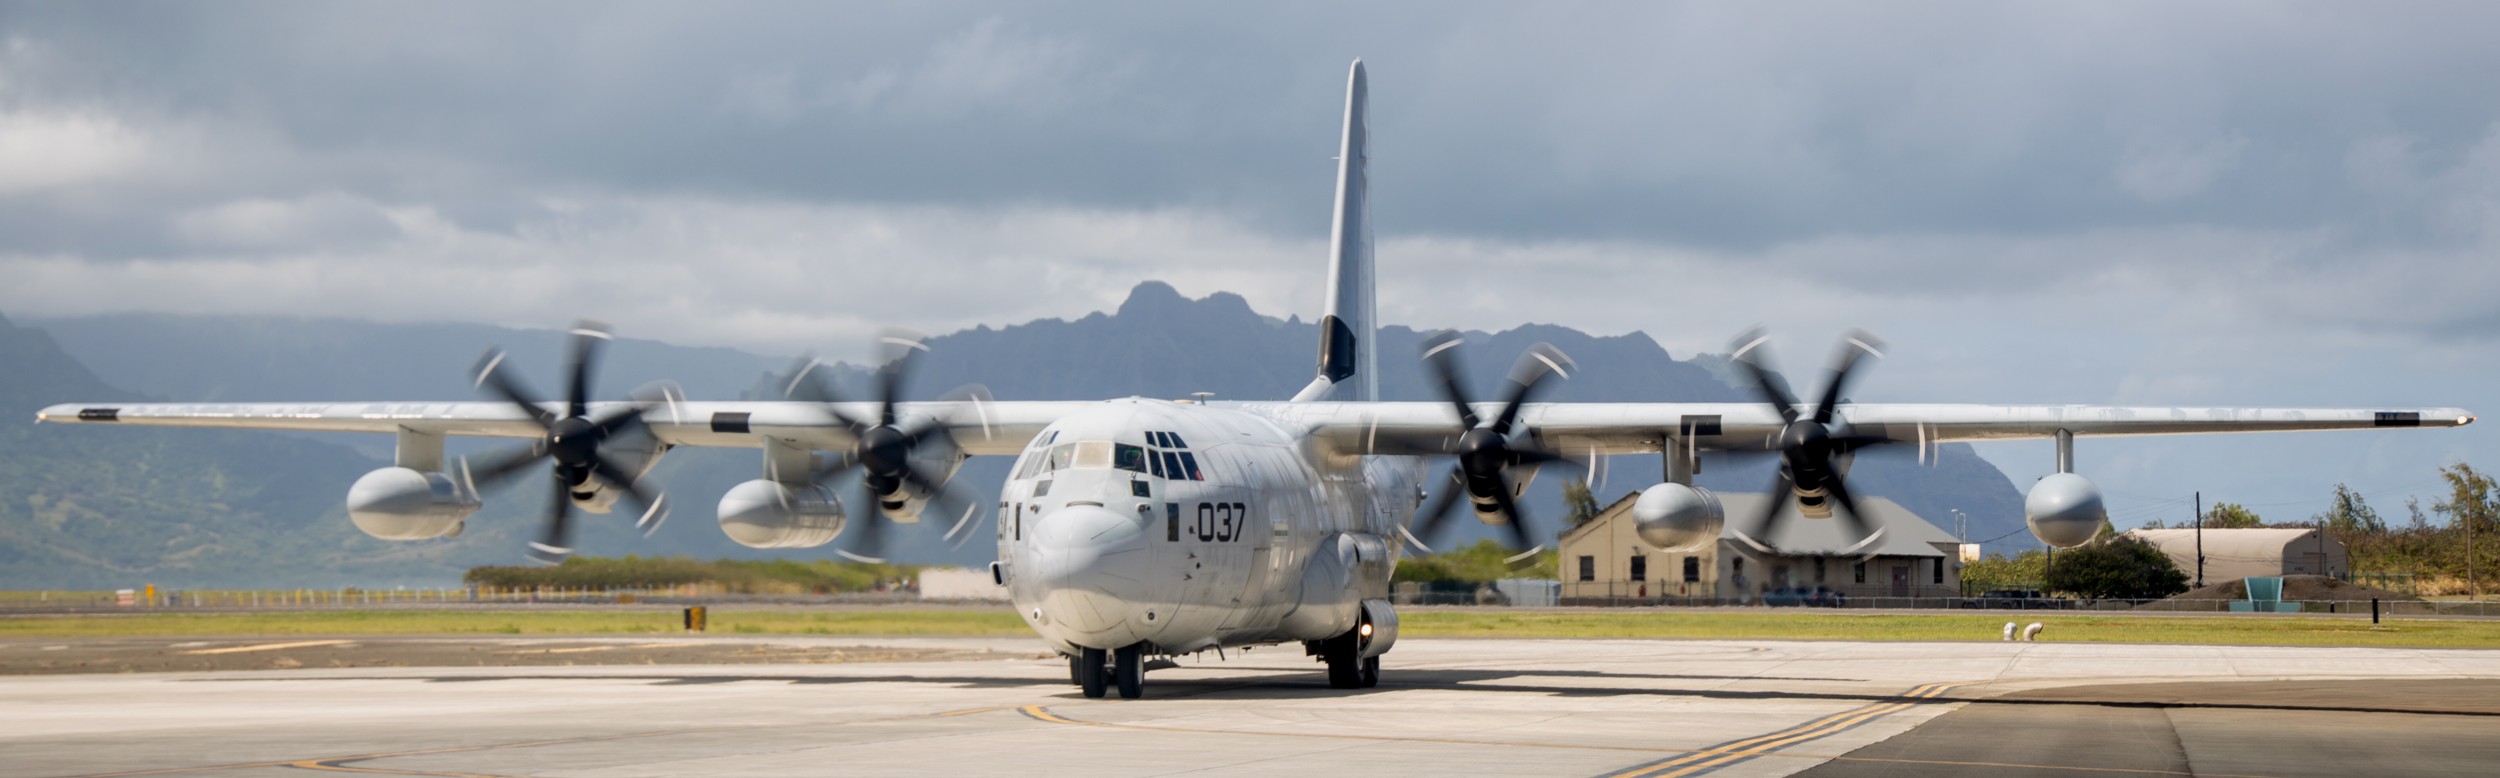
[[1900, 580]]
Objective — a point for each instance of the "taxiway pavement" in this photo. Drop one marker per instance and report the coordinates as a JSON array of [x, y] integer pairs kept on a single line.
[[1474, 707]]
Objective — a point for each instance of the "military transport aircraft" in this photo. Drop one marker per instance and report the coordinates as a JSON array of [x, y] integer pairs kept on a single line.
[[1135, 529]]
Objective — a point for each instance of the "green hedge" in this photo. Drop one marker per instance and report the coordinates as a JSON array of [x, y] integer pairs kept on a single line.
[[781, 576]]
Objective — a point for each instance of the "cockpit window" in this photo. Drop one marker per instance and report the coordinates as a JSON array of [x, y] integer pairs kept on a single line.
[[1128, 457], [1093, 453], [1059, 457], [1176, 439], [1189, 464], [1172, 467]]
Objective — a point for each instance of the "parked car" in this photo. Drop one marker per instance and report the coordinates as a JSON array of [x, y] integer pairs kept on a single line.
[[1817, 597]]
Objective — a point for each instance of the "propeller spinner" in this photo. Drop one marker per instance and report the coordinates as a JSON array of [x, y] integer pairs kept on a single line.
[[884, 443], [572, 440], [1810, 471], [1488, 450]]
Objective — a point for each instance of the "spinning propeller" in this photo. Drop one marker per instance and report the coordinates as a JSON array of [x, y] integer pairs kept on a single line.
[[883, 447], [572, 440], [1488, 450], [1809, 453]]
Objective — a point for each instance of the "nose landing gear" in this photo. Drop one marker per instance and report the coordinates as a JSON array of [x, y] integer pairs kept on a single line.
[[1125, 668]]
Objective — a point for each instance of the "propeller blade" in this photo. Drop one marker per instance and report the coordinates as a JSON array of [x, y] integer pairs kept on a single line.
[[620, 420], [1437, 509], [1518, 519], [899, 346], [806, 382], [867, 545], [1769, 519], [1854, 345], [839, 463], [979, 397], [943, 497], [1441, 353], [490, 377], [502, 465], [660, 394], [1742, 358], [588, 336], [654, 505], [554, 543], [1839, 491], [1541, 360]]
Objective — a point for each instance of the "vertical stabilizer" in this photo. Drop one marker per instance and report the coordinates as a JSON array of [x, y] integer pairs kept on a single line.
[[1348, 366]]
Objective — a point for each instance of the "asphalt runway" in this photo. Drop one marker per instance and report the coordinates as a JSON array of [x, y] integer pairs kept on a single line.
[[859, 706]]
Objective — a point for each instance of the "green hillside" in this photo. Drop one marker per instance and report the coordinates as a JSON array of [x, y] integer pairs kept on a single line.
[[104, 508]]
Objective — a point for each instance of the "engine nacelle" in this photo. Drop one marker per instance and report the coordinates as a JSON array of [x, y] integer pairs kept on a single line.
[[770, 514], [397, 503], [1678, 518], [2064, 510]]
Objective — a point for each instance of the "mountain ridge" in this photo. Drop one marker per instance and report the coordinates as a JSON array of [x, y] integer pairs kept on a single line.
[[1157, 343]]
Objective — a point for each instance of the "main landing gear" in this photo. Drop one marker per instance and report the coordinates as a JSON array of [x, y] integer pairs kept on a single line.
[[1347, 667], [1095, 670]]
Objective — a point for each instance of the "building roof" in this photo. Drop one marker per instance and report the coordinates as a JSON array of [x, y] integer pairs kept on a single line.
[[1905, 534], [2244, 542]]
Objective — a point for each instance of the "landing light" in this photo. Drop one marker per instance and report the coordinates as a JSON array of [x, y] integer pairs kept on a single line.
[[1366, 630], [2464, 420]]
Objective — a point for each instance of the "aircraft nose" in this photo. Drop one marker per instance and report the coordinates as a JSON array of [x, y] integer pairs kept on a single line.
[[1091, 561]]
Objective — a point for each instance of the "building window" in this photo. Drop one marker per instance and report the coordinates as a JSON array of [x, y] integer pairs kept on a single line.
[[1939, 571], [1861, 572], [1818, 570], [1640, 567], [1588, 568], [1692, 569], [1740, 565]]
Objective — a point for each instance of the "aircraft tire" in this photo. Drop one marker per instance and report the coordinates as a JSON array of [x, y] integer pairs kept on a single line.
[[1345, 662], [1076, 671], [1371, 672], [1128, 668], [1090, 672]]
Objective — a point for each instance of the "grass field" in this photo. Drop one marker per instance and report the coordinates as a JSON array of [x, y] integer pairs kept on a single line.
[[973, 622]]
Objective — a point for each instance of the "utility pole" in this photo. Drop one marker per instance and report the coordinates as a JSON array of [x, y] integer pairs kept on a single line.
[[2200, 539]]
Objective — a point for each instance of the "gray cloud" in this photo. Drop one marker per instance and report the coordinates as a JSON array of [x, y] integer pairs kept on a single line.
[[2229, 203]]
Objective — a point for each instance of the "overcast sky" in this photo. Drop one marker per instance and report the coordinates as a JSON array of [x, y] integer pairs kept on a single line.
[[2161, 203]]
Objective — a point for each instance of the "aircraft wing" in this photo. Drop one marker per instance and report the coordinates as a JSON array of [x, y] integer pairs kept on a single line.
[[1578, 429], [978, 427]]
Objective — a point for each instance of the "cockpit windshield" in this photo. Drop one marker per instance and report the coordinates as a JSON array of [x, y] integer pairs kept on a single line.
[[1093, 454], [1085, 454]]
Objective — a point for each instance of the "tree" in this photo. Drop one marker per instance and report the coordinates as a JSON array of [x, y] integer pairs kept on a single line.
[[1582, 504], [1485, 561], [2121, 569], [2229, 515], [2470, 501], [2348, 516], [1998, 571]]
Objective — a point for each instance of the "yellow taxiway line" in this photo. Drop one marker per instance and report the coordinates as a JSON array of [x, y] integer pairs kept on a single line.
[[270, 647]]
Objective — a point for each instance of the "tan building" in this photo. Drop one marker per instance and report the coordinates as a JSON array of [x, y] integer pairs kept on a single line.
[[2232, 554], [1605, 561]]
